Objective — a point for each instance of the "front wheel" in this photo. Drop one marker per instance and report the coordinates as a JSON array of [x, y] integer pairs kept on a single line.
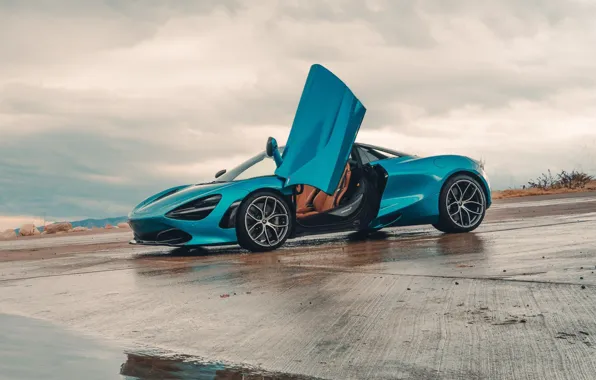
[[264, 222], [462, 205]]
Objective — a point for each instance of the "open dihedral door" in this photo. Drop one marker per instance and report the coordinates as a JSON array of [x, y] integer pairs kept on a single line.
[[324, 129]]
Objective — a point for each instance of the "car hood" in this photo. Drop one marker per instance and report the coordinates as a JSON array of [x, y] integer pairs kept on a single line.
[[324, 129], [176, 196]]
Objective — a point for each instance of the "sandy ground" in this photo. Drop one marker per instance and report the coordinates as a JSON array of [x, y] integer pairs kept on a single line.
[[514, 300], [517, 193]]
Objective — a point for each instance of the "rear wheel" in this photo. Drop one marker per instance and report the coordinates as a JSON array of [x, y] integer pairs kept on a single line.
[[264, 222], [462, 205]]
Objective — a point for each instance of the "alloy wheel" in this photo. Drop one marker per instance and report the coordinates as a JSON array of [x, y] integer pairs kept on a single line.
[[465, 203], [266, 221]]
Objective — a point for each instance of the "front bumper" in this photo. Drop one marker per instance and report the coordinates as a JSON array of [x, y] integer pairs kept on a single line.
[[160, 230], [151, 225], [159, 235]]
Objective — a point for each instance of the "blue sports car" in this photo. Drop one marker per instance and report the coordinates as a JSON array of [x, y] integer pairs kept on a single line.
[[321, 181]]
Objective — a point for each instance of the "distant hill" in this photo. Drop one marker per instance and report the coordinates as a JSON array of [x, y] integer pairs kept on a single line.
[[91, 223]]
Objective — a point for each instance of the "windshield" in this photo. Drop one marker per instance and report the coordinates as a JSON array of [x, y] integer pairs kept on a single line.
[[257, 166]]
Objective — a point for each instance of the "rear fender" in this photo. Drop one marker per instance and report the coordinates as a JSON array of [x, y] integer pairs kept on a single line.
[[413, 187]]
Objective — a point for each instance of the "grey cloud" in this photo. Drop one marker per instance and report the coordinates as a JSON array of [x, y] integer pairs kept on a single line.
[[58, 31], [147, 10], [47, 173], [442, 90], [398, 22], [147, 118], [503, 16]]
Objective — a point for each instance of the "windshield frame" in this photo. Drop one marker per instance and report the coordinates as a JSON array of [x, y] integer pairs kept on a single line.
[[235, 172]]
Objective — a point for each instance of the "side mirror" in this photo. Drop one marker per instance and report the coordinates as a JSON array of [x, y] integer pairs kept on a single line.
[[220, 173], [271, 146], [272, 151]]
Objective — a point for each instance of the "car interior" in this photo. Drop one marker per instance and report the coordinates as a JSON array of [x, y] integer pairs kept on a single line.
[[315, 207], [311, 201], [359, 188]]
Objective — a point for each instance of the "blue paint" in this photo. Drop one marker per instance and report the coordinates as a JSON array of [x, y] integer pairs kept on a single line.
[[414, 184], [324, 129], [150, 217]]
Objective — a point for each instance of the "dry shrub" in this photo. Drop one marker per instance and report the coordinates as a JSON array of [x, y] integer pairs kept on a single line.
[[574, 180], [563, 180], [547, 183]]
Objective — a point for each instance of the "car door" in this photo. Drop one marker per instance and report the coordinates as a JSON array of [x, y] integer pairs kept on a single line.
[[325, 126]]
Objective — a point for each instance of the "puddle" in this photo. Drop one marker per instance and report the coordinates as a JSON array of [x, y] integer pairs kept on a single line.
[[148, 366], [35, 349]]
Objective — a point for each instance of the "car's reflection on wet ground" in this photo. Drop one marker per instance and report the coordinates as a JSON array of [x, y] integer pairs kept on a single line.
[[149, 366], [351, 252]]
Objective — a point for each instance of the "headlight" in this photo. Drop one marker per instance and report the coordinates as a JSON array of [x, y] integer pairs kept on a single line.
[[195, 210]]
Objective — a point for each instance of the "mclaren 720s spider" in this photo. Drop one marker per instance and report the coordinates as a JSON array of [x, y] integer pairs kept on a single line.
[[321, 181]]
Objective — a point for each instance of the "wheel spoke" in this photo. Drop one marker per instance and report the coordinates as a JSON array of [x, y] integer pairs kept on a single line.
[[266, 235], [473, 212], [460, 193], [473, 193], [261, 211], [453, 193], [474, 202], [253, 227], [464, 193], [265, 208], [256, 238], [469, 217], [276, 234], [278, 225], [249, 214], [273, 209]]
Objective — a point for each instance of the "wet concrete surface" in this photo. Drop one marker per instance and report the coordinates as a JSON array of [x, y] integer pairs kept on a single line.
[[35, 349], [515, 299], [547, 205]]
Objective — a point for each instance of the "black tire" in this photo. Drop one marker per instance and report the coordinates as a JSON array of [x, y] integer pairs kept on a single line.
[[475, 217], [369, 231], [243, 228]]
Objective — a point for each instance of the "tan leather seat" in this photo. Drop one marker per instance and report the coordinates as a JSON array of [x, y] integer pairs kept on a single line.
[[305, 198], [323, 202]]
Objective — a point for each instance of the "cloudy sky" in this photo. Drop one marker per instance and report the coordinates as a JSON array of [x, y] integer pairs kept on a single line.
[[104, 102]]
